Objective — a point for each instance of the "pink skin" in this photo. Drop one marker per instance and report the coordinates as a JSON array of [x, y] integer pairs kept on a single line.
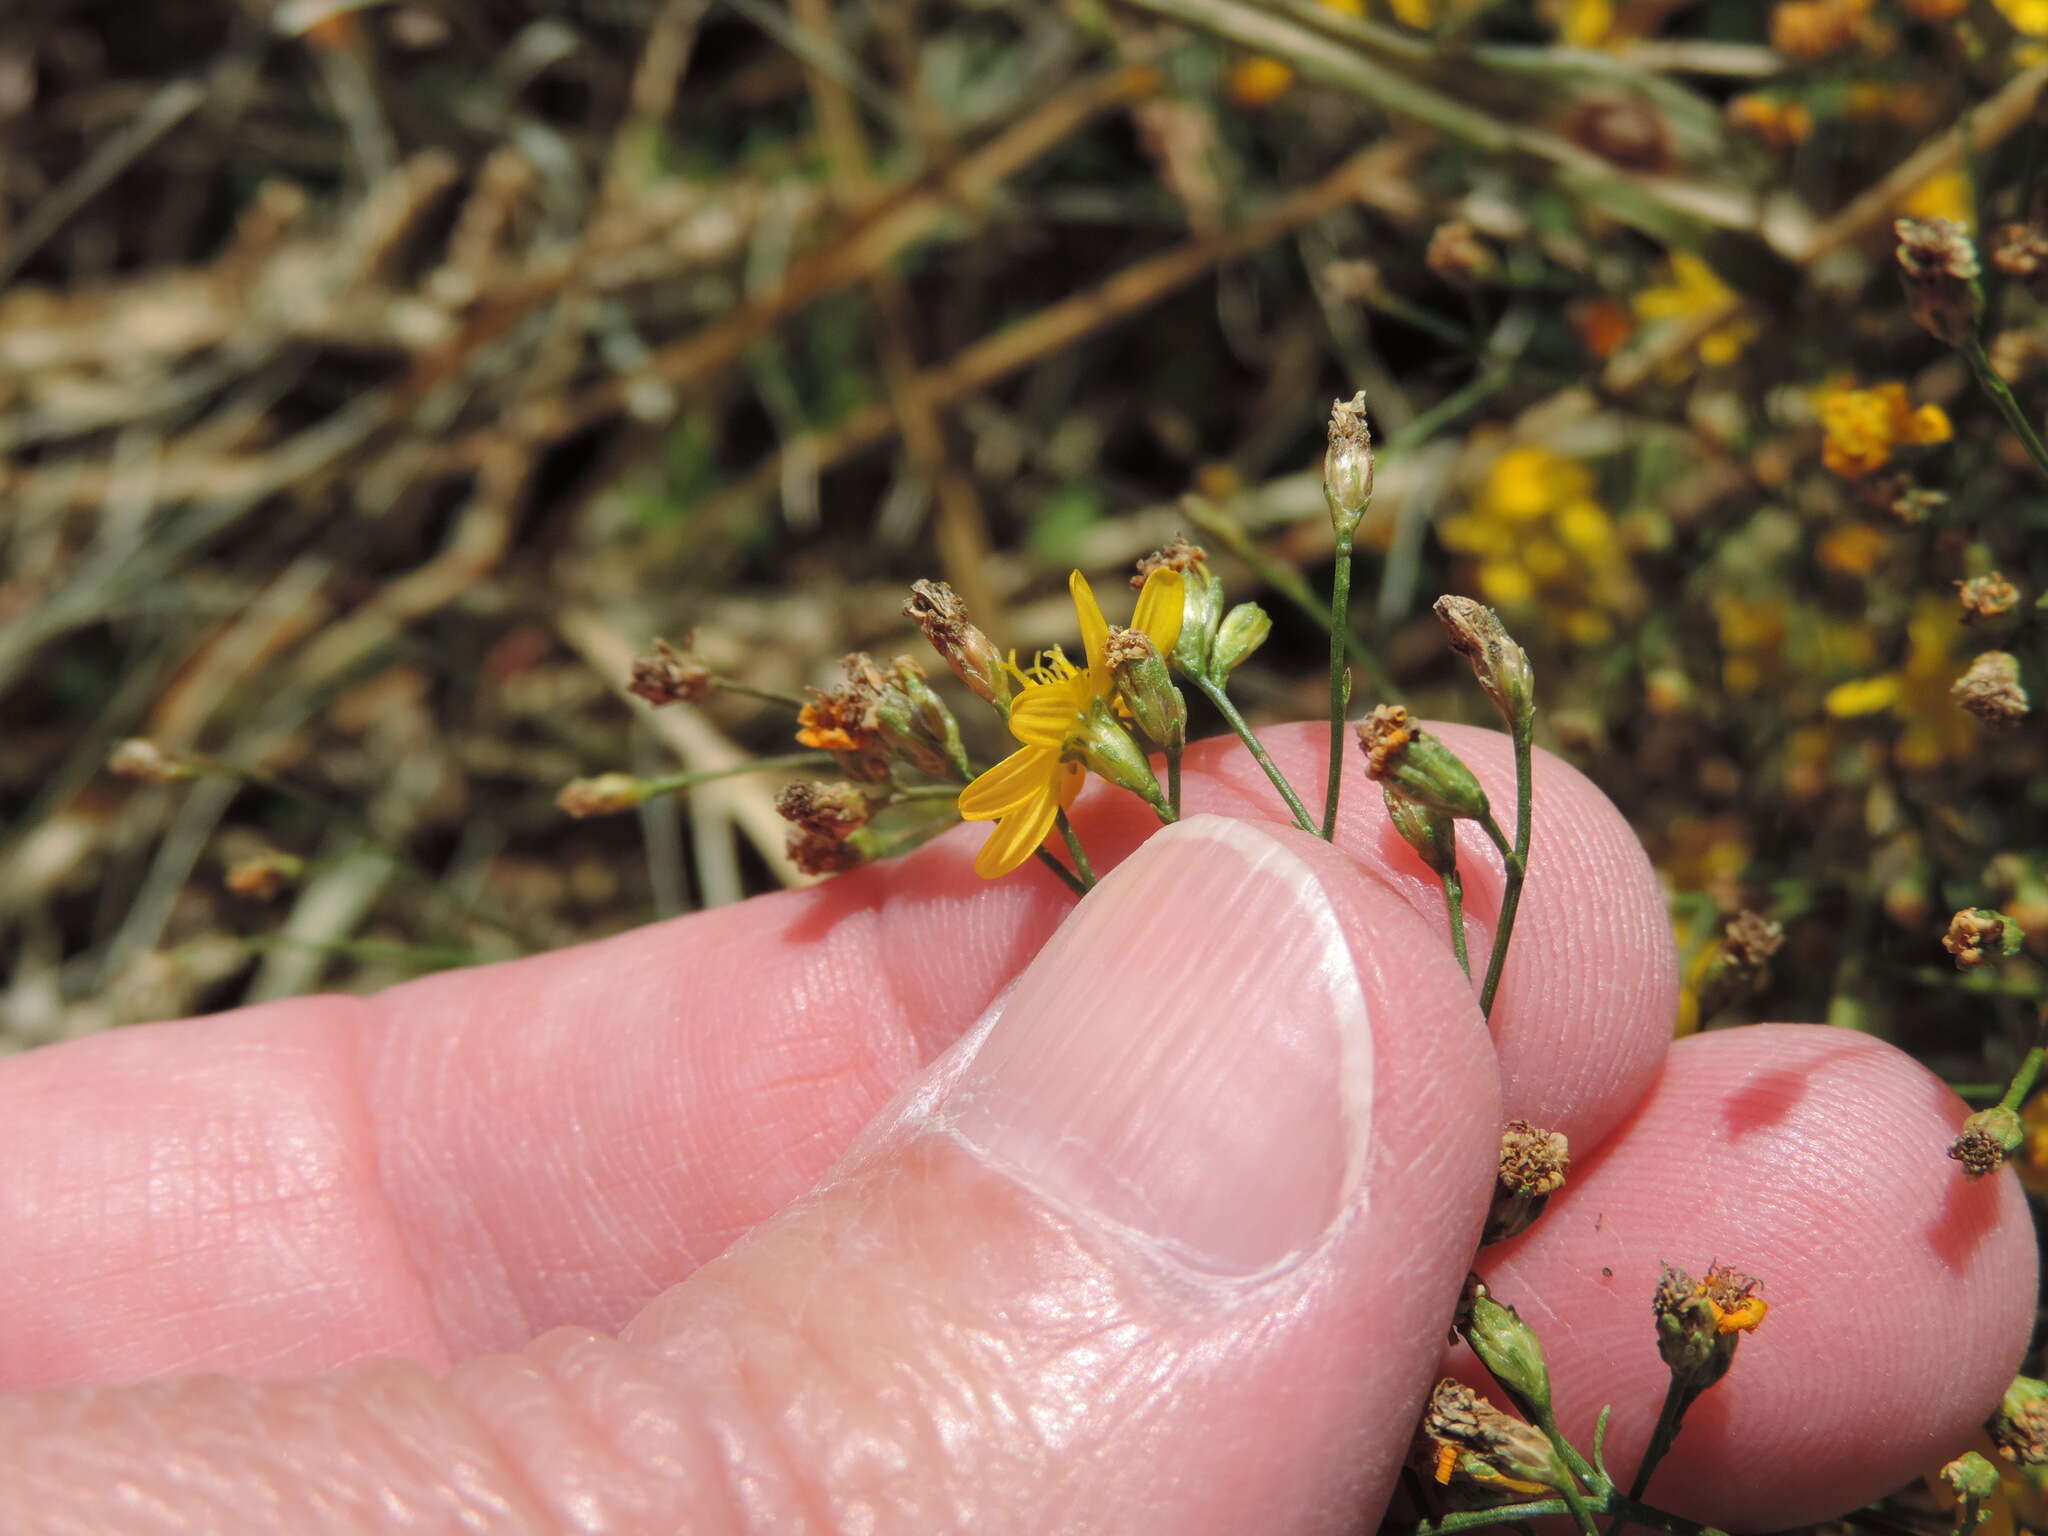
[[463, 1163]]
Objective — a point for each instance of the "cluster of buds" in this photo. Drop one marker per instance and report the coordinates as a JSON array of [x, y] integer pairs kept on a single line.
[[1700, 1322], [140, 758], [666, 675], [877, 718], [1938, 264], [1533, 1165], [2019, 1429], [1978, 935], [1989, 1137], [1402, 756], [1212, 643], [827, 826], [1991, 690]]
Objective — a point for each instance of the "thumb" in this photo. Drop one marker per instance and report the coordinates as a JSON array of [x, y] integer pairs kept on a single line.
[[1168, 1242]]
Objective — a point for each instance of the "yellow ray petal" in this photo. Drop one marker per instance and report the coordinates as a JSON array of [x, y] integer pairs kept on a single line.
[[1094, 627], [1017, 836], [1160, 606], [1071, 777], [1012, 783], [1045, 714]]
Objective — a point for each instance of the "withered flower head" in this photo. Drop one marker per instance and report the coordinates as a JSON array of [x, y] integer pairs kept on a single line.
[[1348, 464], [1732, 1295], [1501, 666], [1457, 254], [1180, 556], [1533, 1161], [2021, 251], [139, 758], [1699, 1323], [1986, 596], [815, 854], [824, 810], [666, 675], [845, 722], [936, 609], [1402, 754], [1991, 690], [263, 876], [1938, 265], [605, 795], [1469, 1444], [1989, 1137]]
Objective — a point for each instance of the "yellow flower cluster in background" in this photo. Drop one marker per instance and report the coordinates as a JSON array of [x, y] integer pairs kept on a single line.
[[1692, 290], [1545, 546], [1258, 81], [1861, 427], [1917, 691]]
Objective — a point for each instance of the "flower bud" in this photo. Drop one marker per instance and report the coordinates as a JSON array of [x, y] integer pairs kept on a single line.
[[1938, 264], [1533, 1164], [1470, 1446], [1502, 667], [2020, 1426], [1348, 465], [937, 610], [1404, 755], [1244, 630], [1989, 1137], [1978, 935], [666, 675], [1143, 684], [916, 724], [1431, 834], [1511, 1353], [1973, 1481], [1107, 749], [605, 795]]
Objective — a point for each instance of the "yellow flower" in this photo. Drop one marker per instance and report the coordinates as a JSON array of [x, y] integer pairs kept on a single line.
[[1583, 23], [1862, 696], [1935, 730], [1862, 426], [1693, 290], [2025, 16], [1258, 81], [1055, 714], [1946, 196]]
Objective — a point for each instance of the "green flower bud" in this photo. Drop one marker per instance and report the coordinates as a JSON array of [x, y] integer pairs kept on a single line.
[[1244, 630], [916, 724], [1418, 765], [1511, 1353], [1106, 747], [1431, 834], [1142, 681], [1971, 1478]]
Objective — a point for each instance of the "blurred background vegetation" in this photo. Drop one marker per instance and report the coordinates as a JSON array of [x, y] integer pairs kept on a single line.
[[375, 379]]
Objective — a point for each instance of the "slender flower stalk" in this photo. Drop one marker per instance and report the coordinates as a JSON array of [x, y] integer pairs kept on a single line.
[[1214, 693], [1347, 488]]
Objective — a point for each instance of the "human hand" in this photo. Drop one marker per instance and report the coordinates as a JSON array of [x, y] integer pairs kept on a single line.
[[1169, 1247]]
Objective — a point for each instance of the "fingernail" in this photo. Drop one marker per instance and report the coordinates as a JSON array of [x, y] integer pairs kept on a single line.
[[1188, 1059]]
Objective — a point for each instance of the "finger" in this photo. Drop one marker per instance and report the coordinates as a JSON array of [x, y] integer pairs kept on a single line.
[[474, 1157], [1901, 1292], [1165, 1246]]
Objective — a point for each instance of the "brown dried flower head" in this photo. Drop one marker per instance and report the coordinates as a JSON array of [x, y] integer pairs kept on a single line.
[[666, 675], [815, 854], [605, 795], [824, 810], [1458, 255], [1622, 130], [1938, 265], [1977, 935], [1180, 556], [1989, 1137], [845, 721], [1986, 596], [1467, 1443], [1991, 689], [1476, 633], [935, 608], [2021, 251], [1533, 1161]]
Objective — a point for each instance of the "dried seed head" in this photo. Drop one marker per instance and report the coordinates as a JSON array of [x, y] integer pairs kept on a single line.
[[937, 610], [2021, 251], [824, 810], [1180, 556], [1991, 689], [139, 758], [1533, 1161], [1348, 464], [605, 795], [815, 854], [845, 721], [666, 675], [1986, 596], [1989, 1137], [1938, 265], [1469, 1444], [1502, 667]]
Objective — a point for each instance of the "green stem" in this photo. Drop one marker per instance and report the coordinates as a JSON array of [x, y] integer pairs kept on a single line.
[[1080, 855], [672, 783], [1236, 721], [1340, 679], [1517, 860], [1677, 1398], [1454, 905], [1994, 385], [1067, 876], [2030, 1070], [1173, 779]]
